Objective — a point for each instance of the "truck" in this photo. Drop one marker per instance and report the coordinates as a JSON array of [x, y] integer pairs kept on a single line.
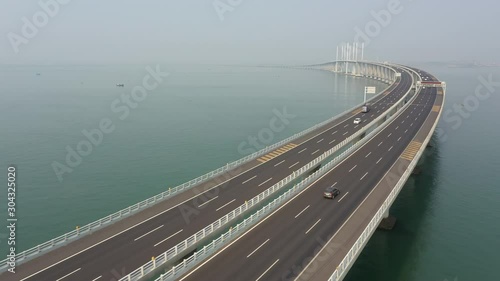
[[365, 108]]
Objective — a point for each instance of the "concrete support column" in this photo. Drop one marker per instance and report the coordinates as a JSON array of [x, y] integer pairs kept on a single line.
[[386, 214], [387, 222]]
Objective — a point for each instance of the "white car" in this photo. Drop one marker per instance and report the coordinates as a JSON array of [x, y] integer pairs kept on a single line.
[[357, 120]]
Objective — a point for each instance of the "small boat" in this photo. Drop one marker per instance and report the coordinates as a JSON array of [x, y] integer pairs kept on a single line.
[[120, 85]]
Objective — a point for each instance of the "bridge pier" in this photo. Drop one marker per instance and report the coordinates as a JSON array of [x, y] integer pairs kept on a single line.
[[388, 222], [376, 71]]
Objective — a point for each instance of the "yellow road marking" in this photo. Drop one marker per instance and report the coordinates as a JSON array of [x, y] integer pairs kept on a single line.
[[356, 111], [276, 152], [411, 150]]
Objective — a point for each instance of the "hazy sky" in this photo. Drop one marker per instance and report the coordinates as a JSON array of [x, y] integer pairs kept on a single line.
[[244, 31]]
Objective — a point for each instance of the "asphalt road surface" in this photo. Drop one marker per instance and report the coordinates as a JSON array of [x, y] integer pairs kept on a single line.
[[279, 247], [123, 253]]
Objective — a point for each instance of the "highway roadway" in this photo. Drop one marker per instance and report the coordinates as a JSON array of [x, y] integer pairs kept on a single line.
[[111, 258], [279, 247]]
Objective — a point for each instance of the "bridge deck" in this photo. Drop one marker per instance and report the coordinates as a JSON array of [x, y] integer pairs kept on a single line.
[[116, 250], [282, 245], [344, 239]]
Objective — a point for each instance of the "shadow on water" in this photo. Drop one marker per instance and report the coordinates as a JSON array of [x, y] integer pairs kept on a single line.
[[390, 255]]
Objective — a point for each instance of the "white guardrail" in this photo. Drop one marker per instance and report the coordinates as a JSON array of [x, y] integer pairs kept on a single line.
[[237, 230], [158, 261], [358, 246], [89, 228]]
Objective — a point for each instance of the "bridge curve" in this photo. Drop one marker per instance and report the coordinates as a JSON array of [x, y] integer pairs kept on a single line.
[[139, 232], [310, 238]]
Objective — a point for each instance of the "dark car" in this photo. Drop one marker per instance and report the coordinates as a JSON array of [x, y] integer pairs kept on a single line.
[[331, 192]]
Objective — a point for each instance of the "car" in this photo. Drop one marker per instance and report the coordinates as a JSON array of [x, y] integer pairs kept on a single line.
[[357, 120], [331, 192]]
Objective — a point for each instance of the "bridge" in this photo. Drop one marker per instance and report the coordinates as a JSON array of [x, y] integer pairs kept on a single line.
[[222, 220]]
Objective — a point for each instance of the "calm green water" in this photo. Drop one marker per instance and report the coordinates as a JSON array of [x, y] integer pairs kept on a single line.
[[193, 122]]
